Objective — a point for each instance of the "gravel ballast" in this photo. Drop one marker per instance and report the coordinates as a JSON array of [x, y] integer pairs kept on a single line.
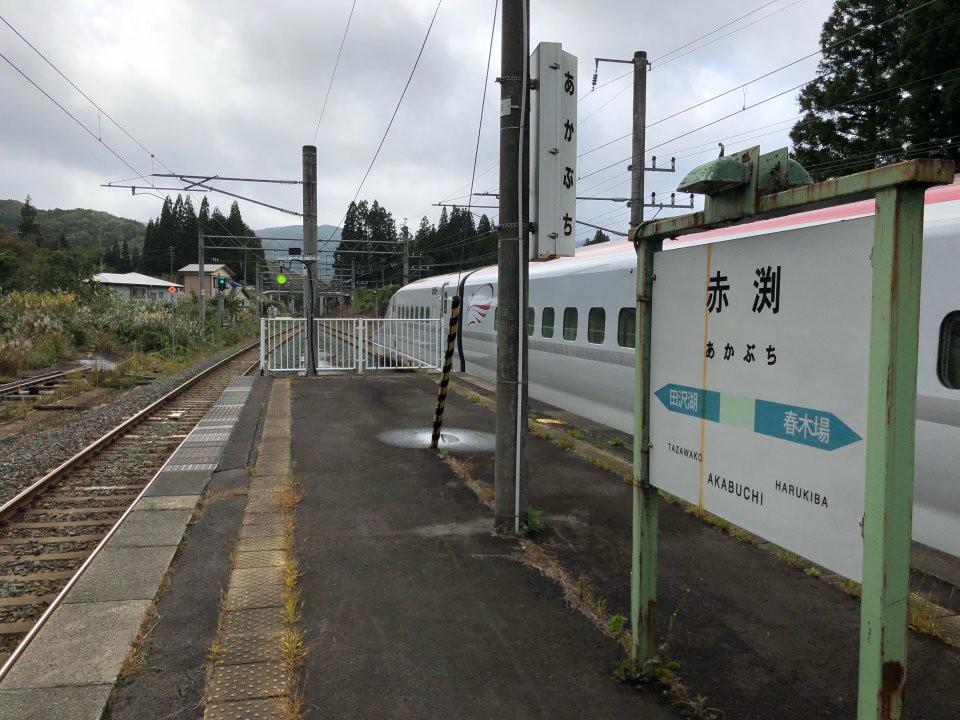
[[24, 458]]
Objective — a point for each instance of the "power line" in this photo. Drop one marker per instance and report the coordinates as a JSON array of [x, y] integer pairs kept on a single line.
[[732, 32], [87, 97], [334, 73], [392, 117], [696, 40], [772, 72]]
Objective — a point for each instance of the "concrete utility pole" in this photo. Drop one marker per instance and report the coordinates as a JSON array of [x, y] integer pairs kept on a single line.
[[511, 458], [309, 243], [202, 296], [406, 253], [259, 292], [643, 585], [639, 137]]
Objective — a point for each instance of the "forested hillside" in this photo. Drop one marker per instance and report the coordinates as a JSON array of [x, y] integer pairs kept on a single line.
[[82, 228]]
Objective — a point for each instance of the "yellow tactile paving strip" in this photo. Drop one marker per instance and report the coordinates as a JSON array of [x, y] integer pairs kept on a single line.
[[247, 679]]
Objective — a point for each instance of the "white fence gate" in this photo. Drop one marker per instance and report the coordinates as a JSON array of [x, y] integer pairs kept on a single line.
[[351, 344]]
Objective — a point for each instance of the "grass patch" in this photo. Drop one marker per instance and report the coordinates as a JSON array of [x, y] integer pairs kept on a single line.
[[850, 587], [533, 523], [616, 441], [925, 616], [617, 624], [462, 469], [812, 571], [790, 558], [289, 496], [576, 432], [133, 662], [293, 650]]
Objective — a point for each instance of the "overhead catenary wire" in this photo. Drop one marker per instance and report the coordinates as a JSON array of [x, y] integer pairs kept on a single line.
[[334, 73], [86, 97], [392, 117], [76, 120], [483, 101]]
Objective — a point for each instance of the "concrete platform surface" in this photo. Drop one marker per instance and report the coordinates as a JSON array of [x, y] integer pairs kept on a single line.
[[93, 657], [412, 607], [71, 668]]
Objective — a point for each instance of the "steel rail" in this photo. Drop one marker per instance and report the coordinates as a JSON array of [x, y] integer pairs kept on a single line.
[[14, 386], [58, 600], [29, 493]]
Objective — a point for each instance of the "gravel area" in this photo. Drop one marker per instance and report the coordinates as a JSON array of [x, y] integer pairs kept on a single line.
[[24, 458]]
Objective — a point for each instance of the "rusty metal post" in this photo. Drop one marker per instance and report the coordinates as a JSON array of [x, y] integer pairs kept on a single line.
[[894, 329], [447, 367]]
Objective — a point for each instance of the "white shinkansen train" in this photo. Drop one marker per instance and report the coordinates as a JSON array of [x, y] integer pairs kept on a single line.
[[581, 325]]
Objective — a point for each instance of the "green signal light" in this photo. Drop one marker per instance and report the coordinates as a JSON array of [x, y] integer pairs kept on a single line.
[[281, 279]]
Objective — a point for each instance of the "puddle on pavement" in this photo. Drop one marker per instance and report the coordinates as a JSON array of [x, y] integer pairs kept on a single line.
[[452, 439]]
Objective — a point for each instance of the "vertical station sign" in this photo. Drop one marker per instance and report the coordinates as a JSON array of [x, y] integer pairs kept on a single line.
[[760, 356], [553, 143]]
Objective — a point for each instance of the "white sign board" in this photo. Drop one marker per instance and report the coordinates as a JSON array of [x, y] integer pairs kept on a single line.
[[553, 143], [760, 351]]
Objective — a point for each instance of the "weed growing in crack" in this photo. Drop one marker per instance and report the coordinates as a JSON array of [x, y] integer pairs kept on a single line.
[[533, 524]]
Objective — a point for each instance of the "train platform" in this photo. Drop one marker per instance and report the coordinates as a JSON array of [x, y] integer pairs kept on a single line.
[[409, 605]]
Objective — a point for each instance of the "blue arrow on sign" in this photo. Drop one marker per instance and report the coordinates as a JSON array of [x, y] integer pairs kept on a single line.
[[815, 428]]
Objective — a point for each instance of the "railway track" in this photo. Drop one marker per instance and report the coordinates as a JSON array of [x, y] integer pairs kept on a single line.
[[51, 528], [38, 385]]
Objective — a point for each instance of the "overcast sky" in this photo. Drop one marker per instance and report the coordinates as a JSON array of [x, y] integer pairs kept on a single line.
[[235, 87]]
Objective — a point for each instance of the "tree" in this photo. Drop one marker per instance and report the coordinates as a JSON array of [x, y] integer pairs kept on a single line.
[[28, 228], [598, 237], [124, 265], [112, 258], [931, 108], [887, 88]]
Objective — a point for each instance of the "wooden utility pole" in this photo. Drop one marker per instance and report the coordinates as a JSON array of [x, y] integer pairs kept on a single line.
[[511, 458]]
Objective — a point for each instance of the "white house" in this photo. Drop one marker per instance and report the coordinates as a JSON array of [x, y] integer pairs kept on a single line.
[[141, 288]]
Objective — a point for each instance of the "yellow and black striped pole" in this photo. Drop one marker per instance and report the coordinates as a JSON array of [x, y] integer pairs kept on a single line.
[[447, 367]]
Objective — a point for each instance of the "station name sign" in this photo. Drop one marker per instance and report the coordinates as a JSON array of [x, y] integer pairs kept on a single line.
[[760, 351], [553, 144]]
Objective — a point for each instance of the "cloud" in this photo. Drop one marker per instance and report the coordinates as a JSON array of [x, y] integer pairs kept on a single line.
[[236, 88]]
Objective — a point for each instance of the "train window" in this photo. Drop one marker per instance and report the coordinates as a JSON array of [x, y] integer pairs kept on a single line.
[[627, 327], [596, 325], [429, 313], [546, 322], [570, 323], [531, 320], [948, 354]]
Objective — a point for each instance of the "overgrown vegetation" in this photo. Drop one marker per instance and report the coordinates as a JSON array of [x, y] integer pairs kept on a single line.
[[39, 329]]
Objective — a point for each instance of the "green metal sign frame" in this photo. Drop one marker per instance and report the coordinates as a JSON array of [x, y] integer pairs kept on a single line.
[[894, 328]]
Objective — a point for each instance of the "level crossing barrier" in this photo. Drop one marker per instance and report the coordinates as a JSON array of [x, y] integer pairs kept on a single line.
[[351, 344]]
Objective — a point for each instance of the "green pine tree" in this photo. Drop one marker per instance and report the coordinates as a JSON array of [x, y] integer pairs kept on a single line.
[[598, 237]]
